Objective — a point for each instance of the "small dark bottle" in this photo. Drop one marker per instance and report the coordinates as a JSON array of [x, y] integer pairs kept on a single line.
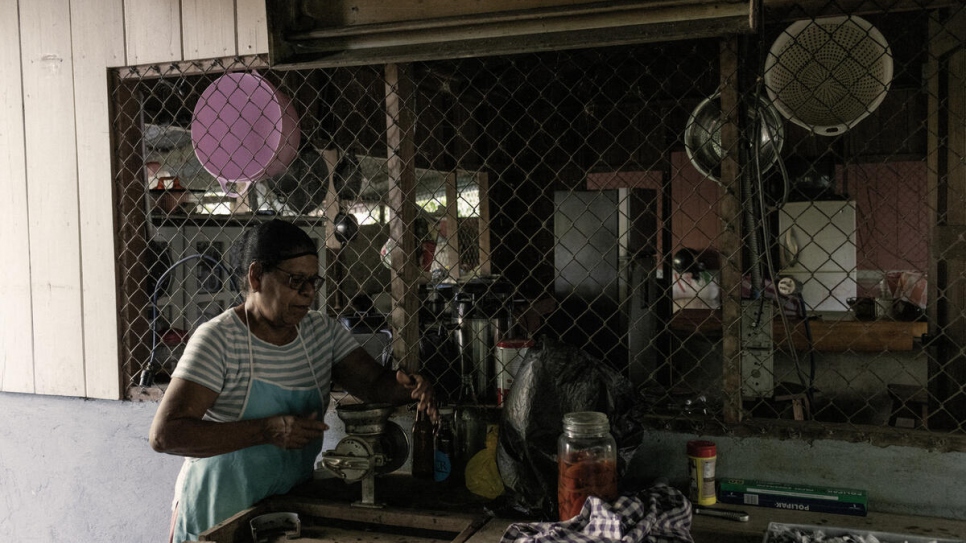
[[444, 447], [423, 448]]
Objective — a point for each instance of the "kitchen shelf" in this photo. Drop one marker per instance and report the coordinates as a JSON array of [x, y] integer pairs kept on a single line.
[[829, 334], [238, 219]]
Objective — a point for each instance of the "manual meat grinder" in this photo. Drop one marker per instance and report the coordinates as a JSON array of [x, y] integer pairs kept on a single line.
[[373, 446]]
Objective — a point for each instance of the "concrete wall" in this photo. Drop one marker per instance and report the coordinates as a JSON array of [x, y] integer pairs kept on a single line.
[[903, 480], [76, 470], [81, 470]]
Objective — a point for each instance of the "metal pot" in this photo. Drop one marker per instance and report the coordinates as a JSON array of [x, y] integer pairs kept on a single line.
[[346, 227], [864, 308]]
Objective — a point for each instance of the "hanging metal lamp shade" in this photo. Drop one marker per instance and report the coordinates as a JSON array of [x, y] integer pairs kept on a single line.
[[828, 74]]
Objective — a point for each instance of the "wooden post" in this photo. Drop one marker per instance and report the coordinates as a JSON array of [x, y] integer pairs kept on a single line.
[[947, 190], [400, 121], [483, 183], [452, 248], [731, 234], [132, 218]]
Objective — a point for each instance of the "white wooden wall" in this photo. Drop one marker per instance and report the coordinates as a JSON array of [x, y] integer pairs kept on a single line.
[[58, 300]]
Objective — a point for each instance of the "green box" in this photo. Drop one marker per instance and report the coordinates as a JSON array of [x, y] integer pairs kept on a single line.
[[795, 497]]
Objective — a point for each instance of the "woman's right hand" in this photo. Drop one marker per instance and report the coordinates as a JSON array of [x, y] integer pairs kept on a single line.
[[293, 431]]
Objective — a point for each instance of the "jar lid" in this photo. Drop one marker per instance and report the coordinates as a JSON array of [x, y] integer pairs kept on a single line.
[[586, 421], [702, 449]]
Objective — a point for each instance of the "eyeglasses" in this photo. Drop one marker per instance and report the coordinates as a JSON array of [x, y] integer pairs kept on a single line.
[[296, 280]]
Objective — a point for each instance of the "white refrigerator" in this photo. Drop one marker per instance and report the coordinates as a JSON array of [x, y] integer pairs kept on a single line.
[[817, 241]]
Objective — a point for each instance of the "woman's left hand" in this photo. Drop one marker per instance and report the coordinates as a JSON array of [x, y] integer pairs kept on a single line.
[[420, 390]]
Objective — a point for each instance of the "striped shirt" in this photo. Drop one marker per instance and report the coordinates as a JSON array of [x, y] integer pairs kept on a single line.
[[217, 357]]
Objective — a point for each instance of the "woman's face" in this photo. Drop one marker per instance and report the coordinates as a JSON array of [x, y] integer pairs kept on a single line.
[[277, 300]]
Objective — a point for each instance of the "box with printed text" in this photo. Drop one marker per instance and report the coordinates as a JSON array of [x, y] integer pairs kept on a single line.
[[842, 501]]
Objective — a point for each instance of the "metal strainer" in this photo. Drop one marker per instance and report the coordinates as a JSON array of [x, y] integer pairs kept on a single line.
[[828, 74]]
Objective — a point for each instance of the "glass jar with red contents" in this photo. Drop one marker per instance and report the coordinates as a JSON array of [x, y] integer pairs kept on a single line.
[[586, 462]]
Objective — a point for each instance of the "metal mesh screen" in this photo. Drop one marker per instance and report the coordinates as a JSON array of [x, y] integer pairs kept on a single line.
[[759, 232]]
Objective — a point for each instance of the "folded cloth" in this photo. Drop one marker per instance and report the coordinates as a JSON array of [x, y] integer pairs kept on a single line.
[[660, 514]]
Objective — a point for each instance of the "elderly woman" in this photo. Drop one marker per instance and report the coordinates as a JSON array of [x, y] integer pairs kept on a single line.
[[246, 401]]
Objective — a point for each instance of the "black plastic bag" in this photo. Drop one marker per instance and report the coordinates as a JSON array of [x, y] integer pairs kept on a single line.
[[552, 380]]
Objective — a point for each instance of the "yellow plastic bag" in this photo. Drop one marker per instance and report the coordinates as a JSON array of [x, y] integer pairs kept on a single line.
[[482, 476]]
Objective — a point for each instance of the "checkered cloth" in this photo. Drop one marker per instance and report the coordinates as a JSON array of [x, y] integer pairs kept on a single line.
[[659, 514]]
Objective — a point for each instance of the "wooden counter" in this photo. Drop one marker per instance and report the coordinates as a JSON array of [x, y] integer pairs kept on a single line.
[[829, 333], [458, 516], [714, 530]]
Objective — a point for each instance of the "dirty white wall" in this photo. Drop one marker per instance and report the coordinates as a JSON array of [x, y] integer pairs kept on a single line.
[[74, 470], [77, 470]]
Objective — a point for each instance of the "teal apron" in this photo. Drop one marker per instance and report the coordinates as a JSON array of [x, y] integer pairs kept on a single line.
[[216, 488]]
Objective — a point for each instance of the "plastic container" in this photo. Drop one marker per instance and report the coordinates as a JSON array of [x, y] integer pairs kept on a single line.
[[444, 447], [702, 456], [586, 462]]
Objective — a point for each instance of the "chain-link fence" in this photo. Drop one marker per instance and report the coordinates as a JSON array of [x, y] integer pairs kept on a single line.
[[760, 231]]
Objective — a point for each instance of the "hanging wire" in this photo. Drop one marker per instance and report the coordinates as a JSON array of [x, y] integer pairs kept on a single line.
[[150, 370]]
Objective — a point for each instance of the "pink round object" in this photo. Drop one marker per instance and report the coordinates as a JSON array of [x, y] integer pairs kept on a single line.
[[244, 130]]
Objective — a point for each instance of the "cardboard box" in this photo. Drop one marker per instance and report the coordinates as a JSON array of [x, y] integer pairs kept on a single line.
[[778, 532], [842, 501]]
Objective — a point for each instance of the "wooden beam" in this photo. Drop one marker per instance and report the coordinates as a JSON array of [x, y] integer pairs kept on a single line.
[[833, 335], [400, 128], [946, 144], [131, 226], [452, 248], [192, 67], [398, 29], [850, 336], [730, 238], [790, 10], [321, 34], [483, 224]]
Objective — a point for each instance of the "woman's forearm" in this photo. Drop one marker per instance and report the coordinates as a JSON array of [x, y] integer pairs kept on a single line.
[[202, 438]]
